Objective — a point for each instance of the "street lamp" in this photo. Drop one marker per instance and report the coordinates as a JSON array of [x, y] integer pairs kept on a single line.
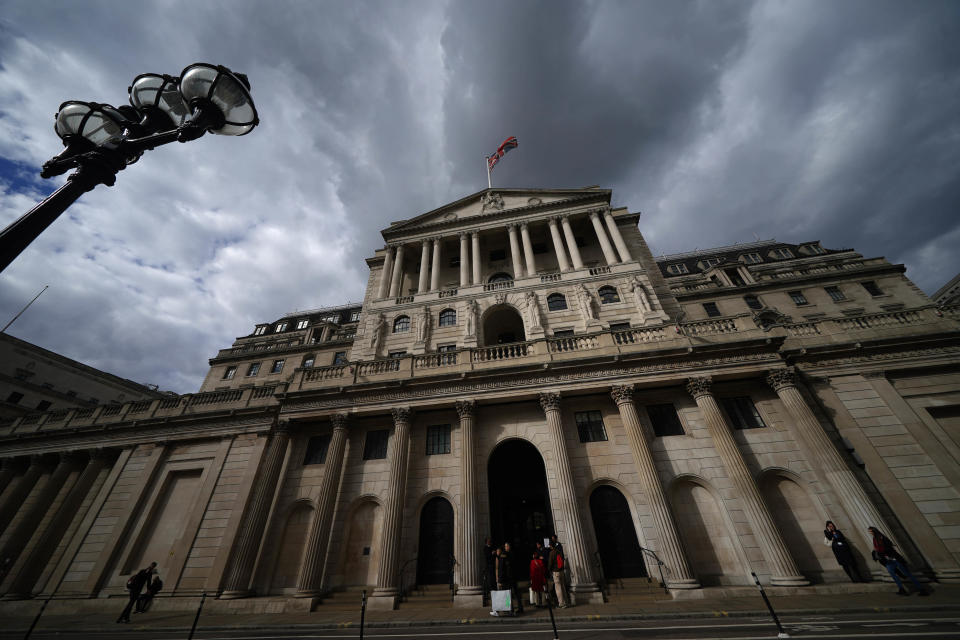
[[101, 140]]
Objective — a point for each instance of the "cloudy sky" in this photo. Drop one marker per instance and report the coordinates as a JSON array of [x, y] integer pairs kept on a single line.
[[720, 121]]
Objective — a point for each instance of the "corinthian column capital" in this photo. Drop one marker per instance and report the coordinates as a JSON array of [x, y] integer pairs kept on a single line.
[[466, 408], [699, 386], [401, 415], [781, 379], [550, 401], [622, 393], [339, 420], [282, 426]]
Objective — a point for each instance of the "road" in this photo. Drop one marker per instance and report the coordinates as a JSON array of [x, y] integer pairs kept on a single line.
[[933, 625]]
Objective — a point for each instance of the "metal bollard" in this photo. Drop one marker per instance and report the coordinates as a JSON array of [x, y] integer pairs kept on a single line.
[[363, 610], [780, 632], [197, 617], [552, 621]]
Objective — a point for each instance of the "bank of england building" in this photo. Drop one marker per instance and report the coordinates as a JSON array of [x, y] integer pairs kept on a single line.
[[521, 365]]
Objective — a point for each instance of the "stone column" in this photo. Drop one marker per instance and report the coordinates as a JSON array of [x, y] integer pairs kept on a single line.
[[464, 259], [424, 266], [617, 237], [21, 587], [782, 567], [679, 575], [20, 488], [528, 249], [247, 545], [387, 273], [385, 594], [435, 270], [475, 252], [515, 251], [310, 582], [8, 470], [584, 585], [397, 273], [571, 242], [470, 589], [558, 245], [605, 245]]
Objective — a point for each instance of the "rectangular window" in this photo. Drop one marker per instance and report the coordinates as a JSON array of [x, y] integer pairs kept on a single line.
[[619, 326], [375, 446], [259, 331], [712, 309], [677, 269], [308, 361], [815, 249], [43, 405], [15, 397], [872, 288], [448, 353], [665, 420], [253, 370], [317, 450], [735, 277], [354, 316], [710, 262], [798, 298], [742, 413], [281, 326], [438, 439], [396, 354], [302, 324], [590, 426], [340, 357], [835, 294], [498, 254], [333, 318], [782, 253], [751, 258], [562, 333], [753, 302], [229, 373], [277, 366]]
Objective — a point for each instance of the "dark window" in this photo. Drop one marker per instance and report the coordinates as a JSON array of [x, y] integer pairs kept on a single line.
[[401, 324], [751, 258], [438, 439], [677, 269], [562, 333], [43, 405], [715, 279], [872, 288], [317, 450], [590, 426], [500, 277], [619, 326], [229, 373], [539, 247], [556, 302], [753, 302], [782, 253], [375, 447], [254, 369], [742, 413], [498, 254], [711, 309], [308, 361], [835, 294], [448, 318], [277, 366], [735, 277], [396, 354], [340, 357], [798, 298], [608, 295], [302, 324], [449, 353], [665, 420]]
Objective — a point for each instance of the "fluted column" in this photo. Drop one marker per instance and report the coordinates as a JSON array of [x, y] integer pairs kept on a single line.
[[397, 273], [435, 270], [617, 237], [515, 251], [581, 566], [475, 254], [680, 576], [558, 245], [424, 266], [782, 566], [387, 273], [528, 249], [244, 555], [470, 589], [605, 245], [388, 569], [464, 259], [571, 242], [21, 587], [8, 469], [19, 489], [310, 582]]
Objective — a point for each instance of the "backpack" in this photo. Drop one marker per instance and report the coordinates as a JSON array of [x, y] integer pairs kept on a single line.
[[559, 561]]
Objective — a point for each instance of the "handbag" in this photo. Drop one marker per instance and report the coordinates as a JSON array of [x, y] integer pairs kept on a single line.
[[500, 600], [533, 596]]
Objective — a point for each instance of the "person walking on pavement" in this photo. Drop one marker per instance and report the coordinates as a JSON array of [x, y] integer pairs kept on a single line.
[[490, 572], [842, 551], [885, 554], [538, 577], [134, 586], [556, 566], [506, 576], [152, 589]]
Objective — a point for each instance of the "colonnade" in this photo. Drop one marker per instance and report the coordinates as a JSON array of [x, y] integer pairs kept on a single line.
[[522, 256]]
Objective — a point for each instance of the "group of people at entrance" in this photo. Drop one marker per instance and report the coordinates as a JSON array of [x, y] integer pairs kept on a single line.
[[548, 570], [883, 552], [144, 579]]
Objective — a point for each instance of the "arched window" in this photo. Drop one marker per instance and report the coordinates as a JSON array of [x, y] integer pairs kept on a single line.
[[753, 302], [401, 324], [500, 277], [556, 302], [448, 318], [308, 360], [608, 295]]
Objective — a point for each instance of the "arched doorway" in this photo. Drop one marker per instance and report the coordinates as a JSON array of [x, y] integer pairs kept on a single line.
[[800, 524], [289, 558], [436, 542], [616, 537], [519, 499], [707, 537], [502, 325]]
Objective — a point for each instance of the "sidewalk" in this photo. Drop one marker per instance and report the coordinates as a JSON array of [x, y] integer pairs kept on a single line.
[[946, 598]]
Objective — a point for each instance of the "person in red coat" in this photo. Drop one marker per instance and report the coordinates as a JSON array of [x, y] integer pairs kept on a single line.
[[538, 577]]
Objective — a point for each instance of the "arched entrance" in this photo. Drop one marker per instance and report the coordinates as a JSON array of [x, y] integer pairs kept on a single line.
[[286, 567], [502, 325], [436, 542], [616, 538], [519, 499]]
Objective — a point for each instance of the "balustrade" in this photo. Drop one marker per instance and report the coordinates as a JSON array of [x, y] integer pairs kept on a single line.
[[550, 277], [497, 286], [215, 397], [436, 360], [503, 352], [404, 299], [802, 329], [639, 335], [707, 327], [599, 271], [324, 373], [573, 343], [140, 406], [447, 293], [879, 320]]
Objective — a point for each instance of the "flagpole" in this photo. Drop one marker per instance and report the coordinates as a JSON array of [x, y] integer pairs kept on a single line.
[[487, 162]]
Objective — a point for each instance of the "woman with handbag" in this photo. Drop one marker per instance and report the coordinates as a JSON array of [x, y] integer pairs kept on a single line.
[[842, 551], [538, 579]]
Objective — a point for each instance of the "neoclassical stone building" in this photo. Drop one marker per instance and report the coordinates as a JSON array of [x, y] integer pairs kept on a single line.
[[520, 365]]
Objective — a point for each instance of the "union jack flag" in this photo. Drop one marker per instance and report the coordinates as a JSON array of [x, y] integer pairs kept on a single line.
[[509, 143]]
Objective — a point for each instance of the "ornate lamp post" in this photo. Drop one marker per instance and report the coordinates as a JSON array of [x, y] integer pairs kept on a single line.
[[101, 140]]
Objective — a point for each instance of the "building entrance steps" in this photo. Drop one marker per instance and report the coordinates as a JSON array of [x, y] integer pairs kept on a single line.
[[634, 590], [435, 596], [346, 599]]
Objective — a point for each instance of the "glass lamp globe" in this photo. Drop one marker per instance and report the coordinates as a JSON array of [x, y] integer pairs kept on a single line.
[[203, 83], [98, 123], [151, 91]]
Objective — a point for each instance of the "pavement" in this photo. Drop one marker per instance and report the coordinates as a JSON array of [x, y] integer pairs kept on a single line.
[[715, 604]]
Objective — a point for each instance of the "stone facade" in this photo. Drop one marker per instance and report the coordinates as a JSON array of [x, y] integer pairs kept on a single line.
[[521, 365]]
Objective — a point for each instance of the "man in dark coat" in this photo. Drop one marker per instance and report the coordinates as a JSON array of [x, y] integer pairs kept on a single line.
[[152, 589], [507, 577], [490, 572], [134, 586]]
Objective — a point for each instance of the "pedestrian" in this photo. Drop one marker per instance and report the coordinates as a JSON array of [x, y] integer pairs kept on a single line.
[[490, 570], [842, 551], [152, 589], [135, 585], [885, 554], [556, 565], [538, 577], [507, 577]]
